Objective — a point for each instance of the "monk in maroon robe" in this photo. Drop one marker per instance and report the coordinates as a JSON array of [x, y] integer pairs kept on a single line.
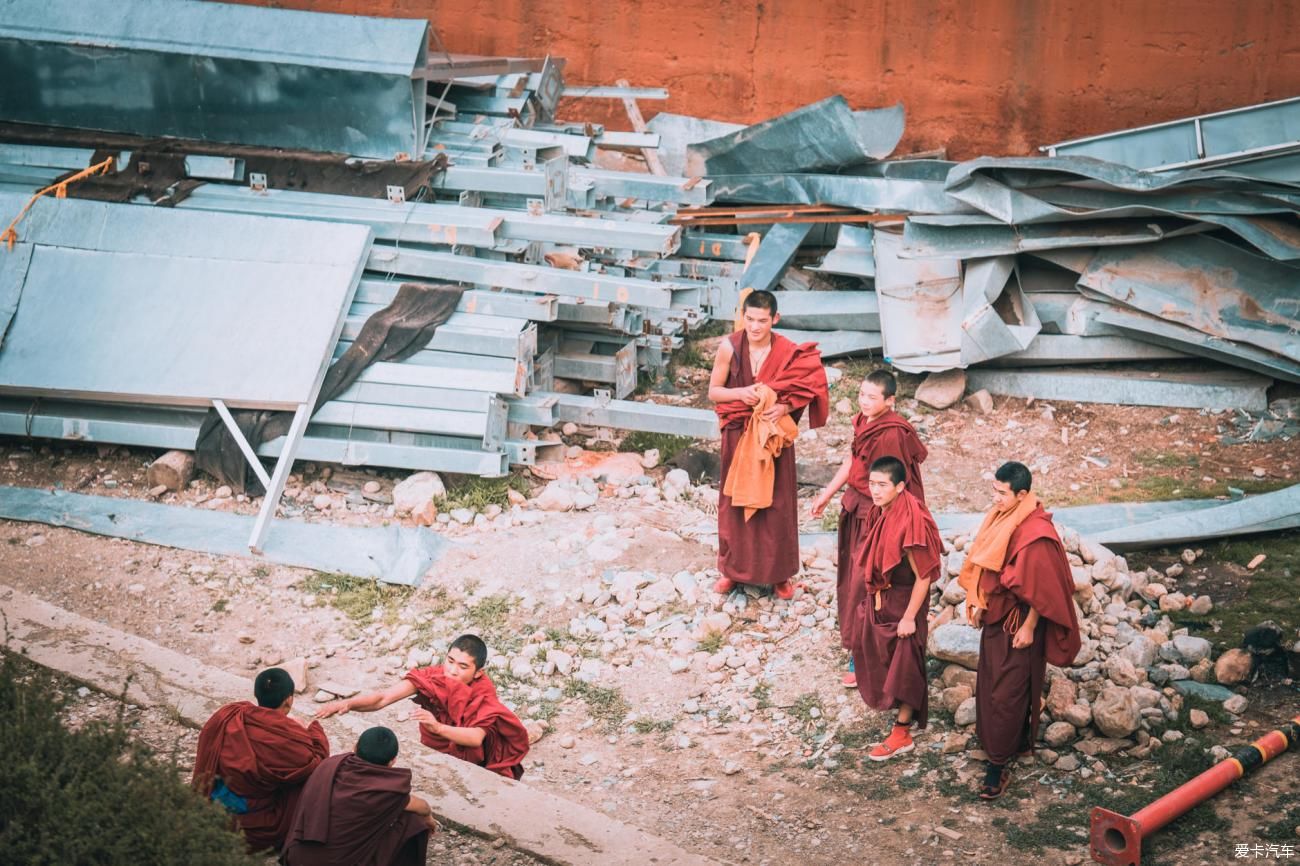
[[763, 550], [901, 559], [878, 431], [254, 759], [460, 714], [1019, 589], [357, 810]]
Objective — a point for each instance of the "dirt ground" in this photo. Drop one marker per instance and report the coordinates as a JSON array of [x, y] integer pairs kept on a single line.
[[777, 776]]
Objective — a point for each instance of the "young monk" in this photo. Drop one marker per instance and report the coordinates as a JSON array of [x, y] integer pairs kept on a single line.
[[760, 385], [1019, 589], [254, 759], [878, 431], [357, 810], [460, 714], [901, 559]]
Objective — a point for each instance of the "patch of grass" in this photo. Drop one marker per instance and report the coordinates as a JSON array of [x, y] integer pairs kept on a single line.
[[653, 726], [803, 706], [546, 710], [477, 494], [490, 613], [220, 605], [763, 694], [358, 597], [261, 571], [1055, 823], [865, 788], [605, 705], [1213, 709], [1167, 460], [712, 642], [690, 356], [1272, 590], [669, 445]]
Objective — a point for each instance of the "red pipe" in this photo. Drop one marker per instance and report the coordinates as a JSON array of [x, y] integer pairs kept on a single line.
[[1116, 840]]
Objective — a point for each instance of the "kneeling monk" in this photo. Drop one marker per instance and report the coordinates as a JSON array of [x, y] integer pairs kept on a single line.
[[357, 810], [1018, 587], [900, 559], [460, 714], [254, 760]]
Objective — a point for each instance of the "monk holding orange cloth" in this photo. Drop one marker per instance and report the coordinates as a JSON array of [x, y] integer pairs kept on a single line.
[[762, 548], [1019, 590]]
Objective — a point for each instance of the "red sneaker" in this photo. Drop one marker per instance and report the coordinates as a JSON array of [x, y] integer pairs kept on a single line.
[[785, 590], [724, 585], [899, 742], [849, 680]]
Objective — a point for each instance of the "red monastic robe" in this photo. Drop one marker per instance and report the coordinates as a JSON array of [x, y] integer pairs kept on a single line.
[[764, 550], [472, 706], [888, 436], [890, 670], [263, 756], [353, 813], [1009, 684]]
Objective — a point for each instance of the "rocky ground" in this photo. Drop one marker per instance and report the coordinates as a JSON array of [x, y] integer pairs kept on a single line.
[[719, 721]]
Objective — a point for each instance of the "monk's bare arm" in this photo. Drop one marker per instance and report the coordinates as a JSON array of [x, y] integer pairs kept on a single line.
[[919, 598], [421, 807], [718, 392], [368, 702], [469, 737], [1024, 635], [821, 500]]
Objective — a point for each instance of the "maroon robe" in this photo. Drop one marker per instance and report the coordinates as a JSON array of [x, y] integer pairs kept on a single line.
[[473, 706], [891, 671], [263, 756], [764, 550], [353, 813], [888, 436], [1009, 681]]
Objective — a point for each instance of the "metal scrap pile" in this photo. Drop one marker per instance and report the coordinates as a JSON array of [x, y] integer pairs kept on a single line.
[[1182, 246]]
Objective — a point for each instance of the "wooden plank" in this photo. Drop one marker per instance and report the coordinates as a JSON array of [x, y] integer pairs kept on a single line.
[[638, 124]]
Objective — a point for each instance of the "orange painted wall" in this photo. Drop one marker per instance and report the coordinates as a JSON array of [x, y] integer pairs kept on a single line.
[[976, 76]]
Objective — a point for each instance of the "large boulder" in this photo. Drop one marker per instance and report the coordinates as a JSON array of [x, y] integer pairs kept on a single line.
[[1191, 649], [1141, 651], [955, 642], [416, 493], [941, 390], [1115, 712], [1061, 695]]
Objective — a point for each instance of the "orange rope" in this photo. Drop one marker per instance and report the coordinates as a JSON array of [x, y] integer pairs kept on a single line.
[[60, 190]]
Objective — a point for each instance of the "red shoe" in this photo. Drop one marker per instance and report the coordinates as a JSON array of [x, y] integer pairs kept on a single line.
[[785, 590], [899, 742], [724, 585], [849, 680]]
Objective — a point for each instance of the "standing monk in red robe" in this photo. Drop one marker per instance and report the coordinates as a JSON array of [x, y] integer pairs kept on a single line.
[[760, 546], [460, 714], [878, 431], [901, 559], [357, 810], [253, 760], [1019, 589]]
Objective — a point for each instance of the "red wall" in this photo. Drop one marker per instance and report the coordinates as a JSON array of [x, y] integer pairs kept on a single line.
[[976, 76]]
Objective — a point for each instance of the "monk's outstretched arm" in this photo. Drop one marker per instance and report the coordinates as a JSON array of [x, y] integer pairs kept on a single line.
[[368, 702], [821, 500], [469, 737]]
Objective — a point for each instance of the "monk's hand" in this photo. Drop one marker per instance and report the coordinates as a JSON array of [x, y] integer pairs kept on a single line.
[[333, 708], [777, 410], [819, 503], [431, 823], [427, 719], [975, 615], [906, 627], [1022, 638], [749, 395]]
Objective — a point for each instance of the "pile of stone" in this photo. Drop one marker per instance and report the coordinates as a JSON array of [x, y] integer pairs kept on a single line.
[[1133, 672]]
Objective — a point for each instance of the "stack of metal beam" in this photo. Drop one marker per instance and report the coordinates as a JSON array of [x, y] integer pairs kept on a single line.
[[571, 284]]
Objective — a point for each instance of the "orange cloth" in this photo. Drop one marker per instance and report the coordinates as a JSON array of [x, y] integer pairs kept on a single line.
[[988, 550], [752, 473]]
